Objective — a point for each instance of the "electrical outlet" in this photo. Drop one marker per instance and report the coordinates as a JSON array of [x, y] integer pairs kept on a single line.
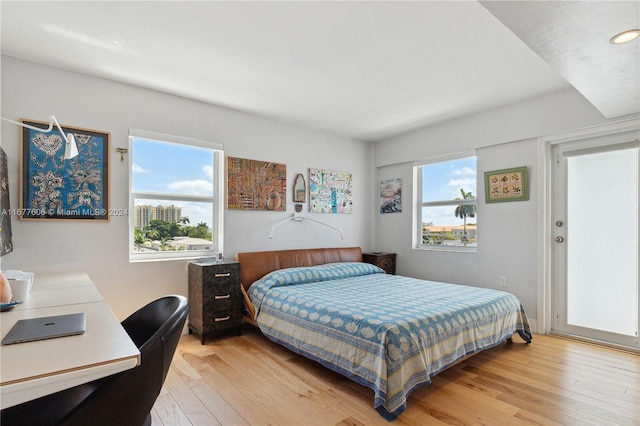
[[503, 281]]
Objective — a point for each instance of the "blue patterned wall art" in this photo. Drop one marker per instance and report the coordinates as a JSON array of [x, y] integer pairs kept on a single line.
[[53, 187]]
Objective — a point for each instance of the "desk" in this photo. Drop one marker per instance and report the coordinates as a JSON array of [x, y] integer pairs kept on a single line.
[[34, 369]]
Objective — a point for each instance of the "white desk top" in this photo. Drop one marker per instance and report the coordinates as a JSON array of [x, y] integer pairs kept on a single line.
[[34, 369]]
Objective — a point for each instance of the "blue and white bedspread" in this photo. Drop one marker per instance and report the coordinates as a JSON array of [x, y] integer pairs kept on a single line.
[[387, 332]]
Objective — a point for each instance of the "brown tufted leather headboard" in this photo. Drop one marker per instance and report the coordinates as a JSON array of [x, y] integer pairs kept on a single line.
[[255, 265]]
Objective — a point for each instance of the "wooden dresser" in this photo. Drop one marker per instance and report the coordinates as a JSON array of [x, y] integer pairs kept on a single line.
[[215, 298]]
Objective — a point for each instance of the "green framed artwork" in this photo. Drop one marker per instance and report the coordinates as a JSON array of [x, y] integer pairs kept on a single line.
[[506, 185]]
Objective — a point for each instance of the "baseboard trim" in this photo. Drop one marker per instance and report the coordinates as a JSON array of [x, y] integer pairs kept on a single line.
[[595, 342]]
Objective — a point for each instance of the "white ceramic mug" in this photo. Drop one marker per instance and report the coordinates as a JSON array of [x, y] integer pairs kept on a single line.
[[20, 289]]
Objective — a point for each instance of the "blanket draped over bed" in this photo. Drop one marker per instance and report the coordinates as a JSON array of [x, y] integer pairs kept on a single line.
[[387, 332]]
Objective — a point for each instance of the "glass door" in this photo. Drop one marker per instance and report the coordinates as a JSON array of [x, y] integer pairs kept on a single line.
[[596, 233]]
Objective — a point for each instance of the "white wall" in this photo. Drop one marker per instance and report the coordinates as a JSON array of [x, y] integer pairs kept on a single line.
[[35, 92], [507, 232], [503, 138]]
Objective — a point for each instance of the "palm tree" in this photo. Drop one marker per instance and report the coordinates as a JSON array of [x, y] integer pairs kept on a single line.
[[465, 210], [184, 226], [152, 234], [138, 237]]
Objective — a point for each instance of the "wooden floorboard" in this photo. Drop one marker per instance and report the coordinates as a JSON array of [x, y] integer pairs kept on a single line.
[[249, 380]]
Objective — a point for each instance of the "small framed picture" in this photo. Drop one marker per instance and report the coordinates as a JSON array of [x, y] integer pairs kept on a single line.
[[55, 188], [391, 196], [506, 185]]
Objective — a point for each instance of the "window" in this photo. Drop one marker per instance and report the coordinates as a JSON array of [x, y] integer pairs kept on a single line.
[[446, 215], [174, 197]]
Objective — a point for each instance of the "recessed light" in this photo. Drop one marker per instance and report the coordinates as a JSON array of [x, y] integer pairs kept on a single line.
[[625, 37]]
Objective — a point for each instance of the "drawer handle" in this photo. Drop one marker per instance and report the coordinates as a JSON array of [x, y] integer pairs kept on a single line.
[[222, 319], [226, 296], [228, 274]]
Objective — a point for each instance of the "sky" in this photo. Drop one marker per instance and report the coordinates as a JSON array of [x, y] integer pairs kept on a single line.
[[441, 182], [172, 168]]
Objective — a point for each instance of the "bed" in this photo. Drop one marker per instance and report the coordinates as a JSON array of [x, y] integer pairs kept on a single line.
[[387, 332]]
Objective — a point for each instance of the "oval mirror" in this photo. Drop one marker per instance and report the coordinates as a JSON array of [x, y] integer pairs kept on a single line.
[[299, 189]]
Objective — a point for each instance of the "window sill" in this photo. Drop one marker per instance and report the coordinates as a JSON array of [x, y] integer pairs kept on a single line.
[[167, 256], [450, 249]]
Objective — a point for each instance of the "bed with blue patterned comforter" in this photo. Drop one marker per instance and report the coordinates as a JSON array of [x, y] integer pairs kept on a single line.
[[387, 332]]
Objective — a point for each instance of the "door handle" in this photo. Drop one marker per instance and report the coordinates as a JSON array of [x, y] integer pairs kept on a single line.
[[559, 239]]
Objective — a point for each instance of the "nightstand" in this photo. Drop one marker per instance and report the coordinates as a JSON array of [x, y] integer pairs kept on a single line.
[[215, 299], [386, 261]]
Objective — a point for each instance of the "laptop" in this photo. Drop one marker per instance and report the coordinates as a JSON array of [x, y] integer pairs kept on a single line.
[[28, 330]]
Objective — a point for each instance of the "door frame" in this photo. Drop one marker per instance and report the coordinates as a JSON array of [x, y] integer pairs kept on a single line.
[[614, 132]]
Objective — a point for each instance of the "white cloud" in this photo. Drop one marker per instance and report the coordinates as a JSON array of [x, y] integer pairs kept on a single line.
[[463, 171], [197, 187], [136, 168], [208, 171], [463, 182], [198, 212], [468, 184]]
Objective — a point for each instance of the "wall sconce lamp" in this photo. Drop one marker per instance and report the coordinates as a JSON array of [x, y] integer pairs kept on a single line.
[[122, 152], [70, 147]]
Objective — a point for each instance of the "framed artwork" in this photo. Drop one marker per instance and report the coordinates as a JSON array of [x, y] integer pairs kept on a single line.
[[330, 192], [6, 244], [256, 185], [391, 196], [506, 185], [52, 187]]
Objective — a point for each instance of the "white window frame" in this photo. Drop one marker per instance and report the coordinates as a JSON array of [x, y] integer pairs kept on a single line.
[[419, 204], [215, 199]]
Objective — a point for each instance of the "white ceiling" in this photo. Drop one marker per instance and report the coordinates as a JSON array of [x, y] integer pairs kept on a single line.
[[366, 70], [573, 37]]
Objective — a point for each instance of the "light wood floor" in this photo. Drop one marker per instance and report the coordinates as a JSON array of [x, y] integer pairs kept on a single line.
[[248, 380]]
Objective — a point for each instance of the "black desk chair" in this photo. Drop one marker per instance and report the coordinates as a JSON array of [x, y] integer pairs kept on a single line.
[[123, 399]]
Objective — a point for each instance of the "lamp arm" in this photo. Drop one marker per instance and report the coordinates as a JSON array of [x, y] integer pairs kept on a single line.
[[327, 225], [71, 149], [66, 139], [39, 129], [278, 224], [298, 218]]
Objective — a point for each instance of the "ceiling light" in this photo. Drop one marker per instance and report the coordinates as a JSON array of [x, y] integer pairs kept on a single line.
[[625, 37]]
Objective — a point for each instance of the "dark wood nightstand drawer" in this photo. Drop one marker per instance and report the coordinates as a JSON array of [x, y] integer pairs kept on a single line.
[[386, 261], [223, 318], [221, 274], [222, 288]]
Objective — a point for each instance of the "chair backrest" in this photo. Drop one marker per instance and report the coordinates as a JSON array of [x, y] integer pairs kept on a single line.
[[128, 397]]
